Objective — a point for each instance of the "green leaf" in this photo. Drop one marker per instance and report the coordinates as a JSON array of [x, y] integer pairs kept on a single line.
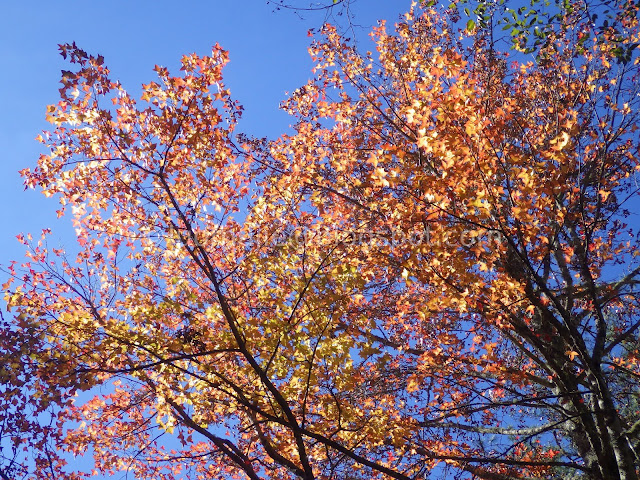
[[471, 25]]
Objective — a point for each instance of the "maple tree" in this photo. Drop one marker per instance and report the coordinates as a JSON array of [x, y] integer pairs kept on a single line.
[[532, 28], [434, 275]]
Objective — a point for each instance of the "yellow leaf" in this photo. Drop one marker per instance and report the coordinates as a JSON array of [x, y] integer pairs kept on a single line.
[[572, 354], [412, 384]]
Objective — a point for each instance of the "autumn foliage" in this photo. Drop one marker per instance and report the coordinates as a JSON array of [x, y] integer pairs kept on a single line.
[[434, 276]]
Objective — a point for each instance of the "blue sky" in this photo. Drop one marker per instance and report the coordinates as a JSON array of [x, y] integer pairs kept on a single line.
[[268, 51]]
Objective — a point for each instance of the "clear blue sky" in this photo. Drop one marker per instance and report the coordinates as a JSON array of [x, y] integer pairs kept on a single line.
[[268, 51]]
